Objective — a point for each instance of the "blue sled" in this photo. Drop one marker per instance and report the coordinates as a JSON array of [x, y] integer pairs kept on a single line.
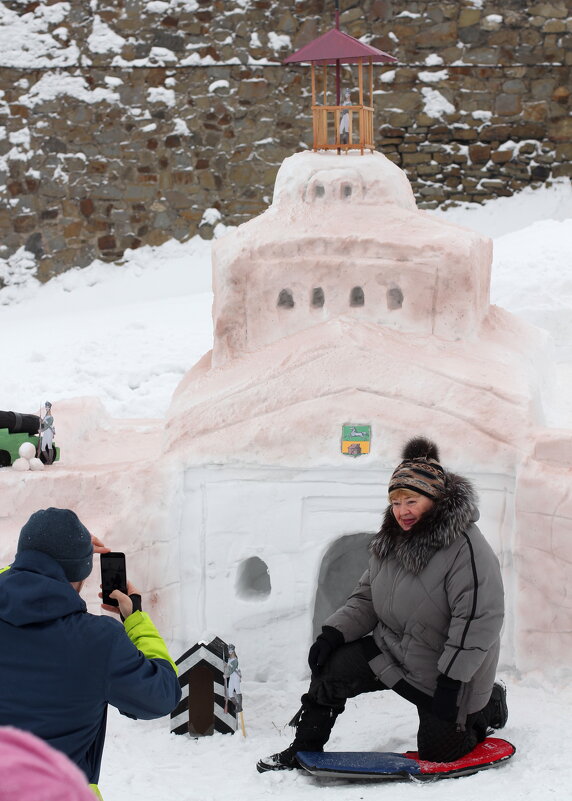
[[381, 765]]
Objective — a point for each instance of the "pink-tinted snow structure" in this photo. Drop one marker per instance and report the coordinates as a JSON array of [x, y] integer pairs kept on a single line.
[[344, 238], [344, 303]]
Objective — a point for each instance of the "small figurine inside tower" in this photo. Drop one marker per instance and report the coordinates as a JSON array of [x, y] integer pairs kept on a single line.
[[341, 126]]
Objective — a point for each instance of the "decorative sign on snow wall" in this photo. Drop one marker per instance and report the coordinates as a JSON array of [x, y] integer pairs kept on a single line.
[[355, 439], [205, 706]]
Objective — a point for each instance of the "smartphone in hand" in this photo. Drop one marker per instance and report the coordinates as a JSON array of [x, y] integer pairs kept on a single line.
[[113, 575]]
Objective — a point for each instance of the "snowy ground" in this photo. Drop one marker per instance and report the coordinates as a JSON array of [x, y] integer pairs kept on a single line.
[[123, 334], [127, 334], [144, 761]]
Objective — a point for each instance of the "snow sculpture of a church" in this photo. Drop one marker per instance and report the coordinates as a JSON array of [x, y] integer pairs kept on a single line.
[[344, 304]]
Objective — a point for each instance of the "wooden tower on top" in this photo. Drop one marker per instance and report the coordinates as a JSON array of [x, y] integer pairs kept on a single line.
[[345, 125]]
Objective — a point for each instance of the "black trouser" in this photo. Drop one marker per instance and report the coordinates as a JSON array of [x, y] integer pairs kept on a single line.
[[346, 674]]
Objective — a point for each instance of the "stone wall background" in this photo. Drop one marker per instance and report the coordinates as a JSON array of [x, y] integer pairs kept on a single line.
[[137, 117]]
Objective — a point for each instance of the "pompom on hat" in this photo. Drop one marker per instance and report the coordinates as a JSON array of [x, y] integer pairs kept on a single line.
[[59, 533], [420, 470], [31, 770]]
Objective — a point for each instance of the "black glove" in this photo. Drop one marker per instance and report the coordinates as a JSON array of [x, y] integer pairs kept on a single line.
[[444, 704], [136, 601], [325, 644]]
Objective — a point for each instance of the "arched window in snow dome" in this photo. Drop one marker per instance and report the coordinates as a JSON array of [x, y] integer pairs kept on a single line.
[[318, 297], [285, 299], [357, 297], [394, 297]]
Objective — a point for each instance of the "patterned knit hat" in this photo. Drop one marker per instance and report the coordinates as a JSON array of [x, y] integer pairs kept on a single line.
[[420, 470], [60, 534]]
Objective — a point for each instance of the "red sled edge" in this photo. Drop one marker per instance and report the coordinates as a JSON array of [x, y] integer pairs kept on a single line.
[[489, 753]]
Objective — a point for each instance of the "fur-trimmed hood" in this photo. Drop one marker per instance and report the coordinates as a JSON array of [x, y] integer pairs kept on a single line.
[[438, 528]]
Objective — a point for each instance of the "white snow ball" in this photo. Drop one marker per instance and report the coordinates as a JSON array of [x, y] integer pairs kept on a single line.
[[27, 450], [21, 464], [36, 464]]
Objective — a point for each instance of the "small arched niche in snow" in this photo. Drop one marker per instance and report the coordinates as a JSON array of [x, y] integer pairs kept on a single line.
[[285, 299], [346, 191], [394, 297], [342, 566], [253, 579], [357, 297], [318, 297], [319, 190]]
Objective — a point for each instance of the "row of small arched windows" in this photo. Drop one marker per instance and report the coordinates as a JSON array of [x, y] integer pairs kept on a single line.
[[357, 298], [317, 299], [320, 191]]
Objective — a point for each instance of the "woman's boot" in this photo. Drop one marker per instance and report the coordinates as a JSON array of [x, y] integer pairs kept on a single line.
[[313, 726]]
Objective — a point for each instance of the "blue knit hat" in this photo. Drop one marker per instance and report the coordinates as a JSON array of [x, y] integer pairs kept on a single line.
[[59, 533]]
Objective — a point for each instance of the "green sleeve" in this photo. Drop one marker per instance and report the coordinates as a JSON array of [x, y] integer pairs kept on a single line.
[[3, 569], [145, 637]]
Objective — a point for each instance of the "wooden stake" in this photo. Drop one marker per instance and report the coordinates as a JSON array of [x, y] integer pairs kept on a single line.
[[313, 84], [371, 82]]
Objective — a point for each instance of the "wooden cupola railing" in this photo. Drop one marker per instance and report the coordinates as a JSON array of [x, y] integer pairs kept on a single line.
[[344, 125]]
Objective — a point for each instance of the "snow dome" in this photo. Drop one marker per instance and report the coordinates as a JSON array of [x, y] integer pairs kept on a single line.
[[343, 237]]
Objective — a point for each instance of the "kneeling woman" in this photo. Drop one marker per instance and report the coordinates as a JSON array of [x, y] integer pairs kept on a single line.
[[424, 620]]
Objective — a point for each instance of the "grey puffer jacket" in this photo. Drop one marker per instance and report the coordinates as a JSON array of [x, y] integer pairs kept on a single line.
[[433, 599]]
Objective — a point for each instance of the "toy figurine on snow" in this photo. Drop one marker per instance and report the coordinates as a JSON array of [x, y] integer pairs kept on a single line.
[[345, 119], [232, 677], [47, 433]]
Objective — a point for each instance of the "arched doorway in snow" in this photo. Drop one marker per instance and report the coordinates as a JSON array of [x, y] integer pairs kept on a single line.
[[342, 566]]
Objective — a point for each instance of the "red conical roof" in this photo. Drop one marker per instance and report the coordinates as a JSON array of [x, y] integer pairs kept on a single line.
[[337, 46]]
